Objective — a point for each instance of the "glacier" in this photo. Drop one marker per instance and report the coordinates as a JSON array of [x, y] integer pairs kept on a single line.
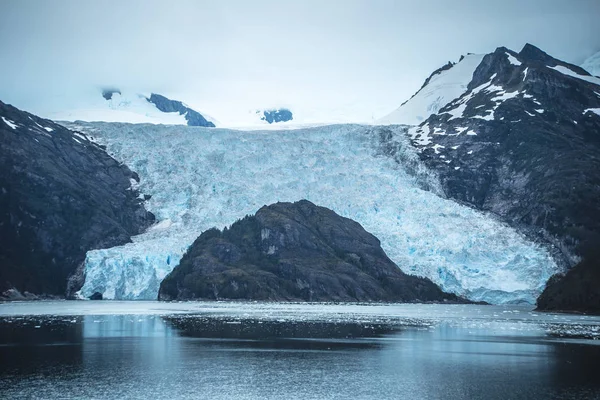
[[200, 178]]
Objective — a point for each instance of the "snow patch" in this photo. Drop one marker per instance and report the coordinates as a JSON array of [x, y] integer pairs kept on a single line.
[[569, 72], [435, 148], [442, 89], [10, 123], [594, 110], [513, 60]]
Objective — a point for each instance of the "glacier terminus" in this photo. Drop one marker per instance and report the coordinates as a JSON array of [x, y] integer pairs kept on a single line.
[[200, 178]]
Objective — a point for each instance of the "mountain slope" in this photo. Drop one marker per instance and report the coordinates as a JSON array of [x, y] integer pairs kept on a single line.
[[293, 251], [118, 105], [443, 85], [60, 196], [523, 142], [592, 64]]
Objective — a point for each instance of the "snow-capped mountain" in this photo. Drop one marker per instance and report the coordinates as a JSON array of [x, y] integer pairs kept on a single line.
[[592, 64], [522, 142], [443, 85], [118, 105]]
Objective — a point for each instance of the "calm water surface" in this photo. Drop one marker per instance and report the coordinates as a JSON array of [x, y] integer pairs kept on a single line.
[[117, 350]]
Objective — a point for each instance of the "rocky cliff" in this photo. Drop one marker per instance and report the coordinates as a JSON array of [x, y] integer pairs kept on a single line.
[[60, 196]]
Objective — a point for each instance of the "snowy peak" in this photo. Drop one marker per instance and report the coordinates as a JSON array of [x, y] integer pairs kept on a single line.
[[497, 76], [592, 64], [443, 85], [509, 86], [111, 104]]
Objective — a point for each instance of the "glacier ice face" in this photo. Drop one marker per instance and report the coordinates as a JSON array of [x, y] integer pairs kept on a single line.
[[201, 178]]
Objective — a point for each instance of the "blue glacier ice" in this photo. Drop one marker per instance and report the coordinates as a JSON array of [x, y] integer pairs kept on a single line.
[[201, 178]]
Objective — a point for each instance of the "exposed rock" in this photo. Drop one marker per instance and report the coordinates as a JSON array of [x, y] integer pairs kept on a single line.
[[577, 291], [60, 196], [108, 93], [192, 117], [96, 296], [276, 115], [523, 142], [294, 251]]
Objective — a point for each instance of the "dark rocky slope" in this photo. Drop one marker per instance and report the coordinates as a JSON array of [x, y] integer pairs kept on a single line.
[[524, 143], [60, 196], [293, 251]]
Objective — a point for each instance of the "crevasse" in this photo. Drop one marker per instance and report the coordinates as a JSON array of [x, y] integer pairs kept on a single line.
[[201, 178]]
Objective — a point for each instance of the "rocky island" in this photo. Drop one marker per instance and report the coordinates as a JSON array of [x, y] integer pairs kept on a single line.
[[294, 252]]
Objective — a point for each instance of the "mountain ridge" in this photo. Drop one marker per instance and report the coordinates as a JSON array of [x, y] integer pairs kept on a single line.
[[522, 142]]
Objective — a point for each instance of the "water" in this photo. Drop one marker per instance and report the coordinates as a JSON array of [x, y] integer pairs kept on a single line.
[[108, 350]]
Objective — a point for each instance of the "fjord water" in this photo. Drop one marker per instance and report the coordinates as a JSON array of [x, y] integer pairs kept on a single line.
[[109, 350]]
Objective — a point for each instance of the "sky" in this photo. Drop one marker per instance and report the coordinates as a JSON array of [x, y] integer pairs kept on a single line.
[[335, 60]]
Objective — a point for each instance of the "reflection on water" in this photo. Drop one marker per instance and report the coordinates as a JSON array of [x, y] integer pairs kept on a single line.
[[263, 355]]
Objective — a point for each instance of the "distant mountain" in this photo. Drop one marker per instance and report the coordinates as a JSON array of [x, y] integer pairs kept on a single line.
[[60, 196], [592, 64], [443, 85], [166, 105], [117, 105], [522, 141], [274, 116], [294, 251]]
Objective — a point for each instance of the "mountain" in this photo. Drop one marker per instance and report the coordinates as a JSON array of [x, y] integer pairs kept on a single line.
[[293, 251], [166, 105], [60, 196], [443, 85], [592, 64], [275, 115], [523, 142], [202, 178], [118, 105]]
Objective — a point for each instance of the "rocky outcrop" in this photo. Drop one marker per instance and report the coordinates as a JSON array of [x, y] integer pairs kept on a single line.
[[60, 196], [577, 291], [294, 251], [193, 118], [523, 142], [276, 115]]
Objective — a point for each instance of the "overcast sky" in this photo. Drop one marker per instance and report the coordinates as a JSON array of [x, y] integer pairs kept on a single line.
[[350, 56]]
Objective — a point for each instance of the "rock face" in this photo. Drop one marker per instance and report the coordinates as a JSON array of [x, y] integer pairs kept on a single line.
[[293, 251], [275, 116], [60, 196], [523, 142], [192, 117]]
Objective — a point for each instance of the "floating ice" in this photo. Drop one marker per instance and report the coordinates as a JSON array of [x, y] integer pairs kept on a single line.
[[201, 178]]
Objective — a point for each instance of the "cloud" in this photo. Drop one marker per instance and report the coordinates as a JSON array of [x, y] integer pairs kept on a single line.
[[364, 57]]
